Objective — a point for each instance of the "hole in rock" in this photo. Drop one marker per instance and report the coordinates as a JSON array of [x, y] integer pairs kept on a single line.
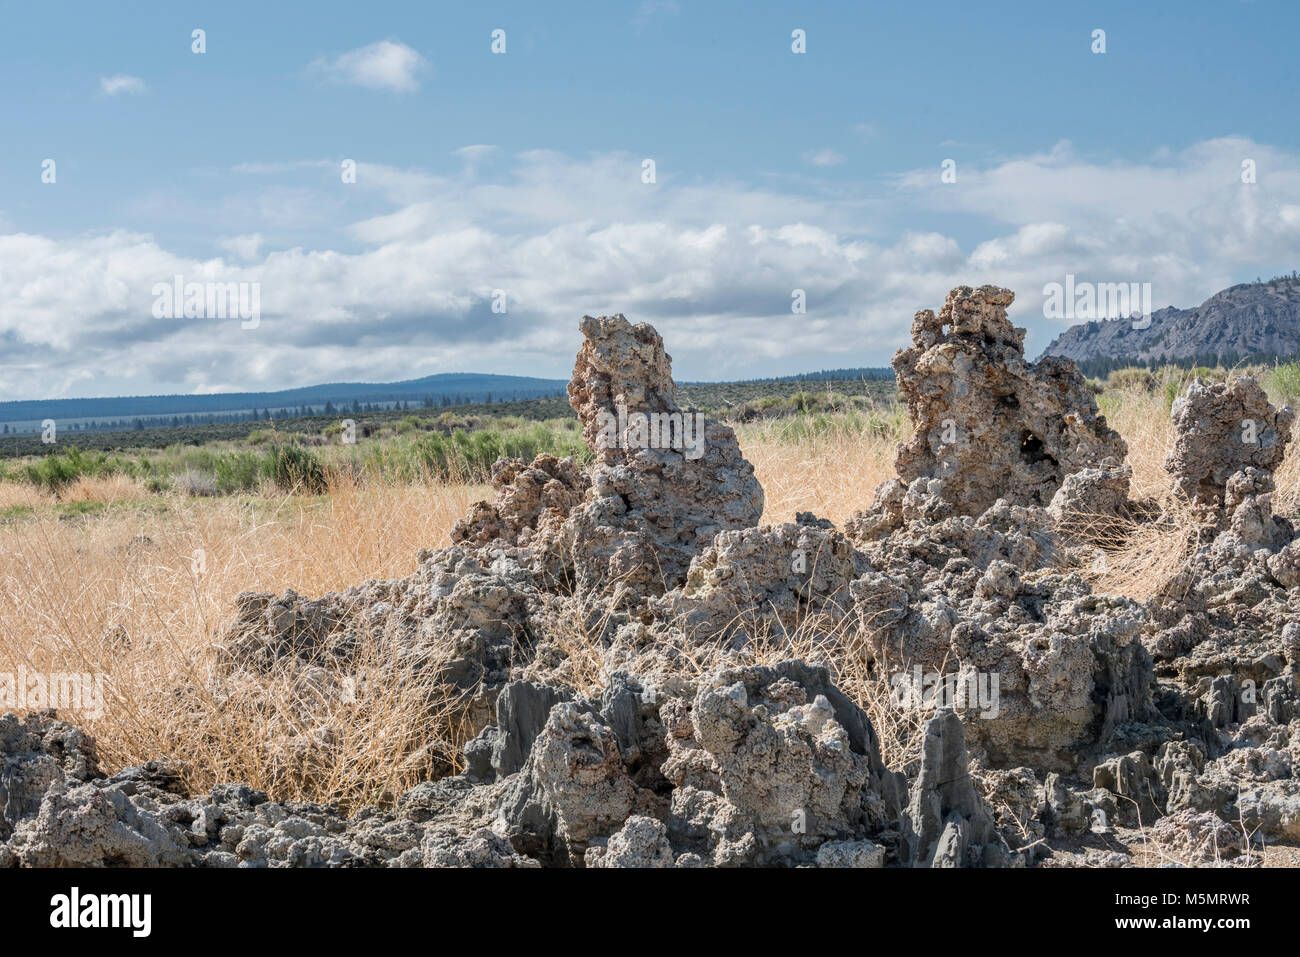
[[1031, 449]]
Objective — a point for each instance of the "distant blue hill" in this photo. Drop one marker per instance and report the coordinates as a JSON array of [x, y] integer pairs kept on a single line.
[[868, 374], [458, 387], [445, 389]]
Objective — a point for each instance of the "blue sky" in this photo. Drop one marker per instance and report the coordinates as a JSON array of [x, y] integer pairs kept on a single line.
[[521, 172]]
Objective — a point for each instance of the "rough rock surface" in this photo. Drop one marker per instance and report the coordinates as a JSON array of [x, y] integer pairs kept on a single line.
[[1223, 428], [765, 579], [1054, 725], [654, 504], [531, 498], [948, 823], [970, 600], [462, 622], [1092, 505], [989, 424]]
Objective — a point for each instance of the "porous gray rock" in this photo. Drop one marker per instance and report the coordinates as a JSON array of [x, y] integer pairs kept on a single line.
[[1220, 429], [850, 854], [641, 842], [987, 423], [574, 788], [88, 826], [1197, 837], [770, 763], [1010, 463], [771, 579], [595, 633], [1134, 782], [1092, 505], [521, 712], [530, 498], [38, 752], [947, 823], [665, 480], [1044, 671]]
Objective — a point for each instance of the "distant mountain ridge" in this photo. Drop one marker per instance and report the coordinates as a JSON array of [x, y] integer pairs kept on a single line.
[[867, 373], [467, 386], [463, 386], [1247, 322], [444, 389]]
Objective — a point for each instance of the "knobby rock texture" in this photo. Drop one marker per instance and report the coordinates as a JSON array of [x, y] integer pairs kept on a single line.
[[1081, 723]]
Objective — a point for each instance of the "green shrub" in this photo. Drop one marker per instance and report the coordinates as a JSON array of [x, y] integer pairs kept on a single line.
[[1131, 379], [1283, 382], [293, 468], [463, 454], [57, 470], [1172, 390], [238, 472]]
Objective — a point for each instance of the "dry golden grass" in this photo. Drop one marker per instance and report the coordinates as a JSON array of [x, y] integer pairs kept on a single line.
[[138, 588], [21, 495], [1143, 556], [1146, 426], [832, 474], [114, 488], [138, 593]]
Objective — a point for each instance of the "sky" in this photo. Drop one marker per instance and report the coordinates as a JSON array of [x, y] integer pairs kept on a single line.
[[499, 196]]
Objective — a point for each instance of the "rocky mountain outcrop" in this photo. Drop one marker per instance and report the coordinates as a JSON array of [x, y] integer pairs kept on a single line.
[[1246, 321]]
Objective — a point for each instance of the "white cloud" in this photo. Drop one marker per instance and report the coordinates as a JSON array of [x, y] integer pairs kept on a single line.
[[245, 247], [121, 83], [711, 263], [1182, 220], [386, 65], [826, 157], [476, 152], [649, 9]]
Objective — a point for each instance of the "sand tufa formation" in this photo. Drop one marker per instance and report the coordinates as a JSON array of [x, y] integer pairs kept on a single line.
[[1053, 721]]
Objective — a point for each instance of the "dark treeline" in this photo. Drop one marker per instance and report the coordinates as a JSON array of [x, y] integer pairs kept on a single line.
[[273, 414], [458, 388], [139, 433], [884, 374], [1103, 366]]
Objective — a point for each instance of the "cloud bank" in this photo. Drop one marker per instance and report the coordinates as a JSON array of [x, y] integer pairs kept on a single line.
[[121, 83], [713, 264]]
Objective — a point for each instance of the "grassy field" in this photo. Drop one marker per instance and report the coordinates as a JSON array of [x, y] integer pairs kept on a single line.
[[717, 398], [308, 454], [107, 573]]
